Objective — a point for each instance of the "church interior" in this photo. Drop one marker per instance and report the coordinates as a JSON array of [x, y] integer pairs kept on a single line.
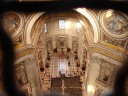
[[70, 53]]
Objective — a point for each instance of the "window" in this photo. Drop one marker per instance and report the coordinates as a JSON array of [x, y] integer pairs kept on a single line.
[[45, 28], [61, 24]]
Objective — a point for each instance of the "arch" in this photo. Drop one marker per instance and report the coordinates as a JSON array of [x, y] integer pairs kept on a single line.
[[115, 62], [93, 22], [86, 13], [29, 26]]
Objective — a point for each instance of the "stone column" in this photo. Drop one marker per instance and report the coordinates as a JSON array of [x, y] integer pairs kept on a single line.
[[80, 47], [33, 75], [93, 72], [54, 42], [70, 42]]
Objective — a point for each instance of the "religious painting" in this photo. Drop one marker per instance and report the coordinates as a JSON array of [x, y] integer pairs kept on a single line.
[[62, 42], [106, 74], [12, 23], [21, 77], [114, 23]]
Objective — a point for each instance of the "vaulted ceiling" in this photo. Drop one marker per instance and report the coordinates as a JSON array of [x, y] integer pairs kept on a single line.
[[95, 42]]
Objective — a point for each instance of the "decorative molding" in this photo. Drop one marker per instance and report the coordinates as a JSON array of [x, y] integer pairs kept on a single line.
[[62, 41], [114, 23], [27, 89], [107, 53], [21, 77], [13, 23], [113, 46], [90, 16], [30, 61], [108, 59], [23, 58], [96, 60], [24, 53], [116, 44], [107, 74], [28, 28]]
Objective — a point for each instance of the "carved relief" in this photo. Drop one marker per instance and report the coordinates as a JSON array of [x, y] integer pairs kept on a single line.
[[21, 77], [106, 74], [96, 59]]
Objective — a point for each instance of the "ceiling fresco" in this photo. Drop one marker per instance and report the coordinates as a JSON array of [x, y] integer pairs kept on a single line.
[[114, 23]]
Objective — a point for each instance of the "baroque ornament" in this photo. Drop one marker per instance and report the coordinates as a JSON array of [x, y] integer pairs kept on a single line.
[[12, 23], [114, 23]]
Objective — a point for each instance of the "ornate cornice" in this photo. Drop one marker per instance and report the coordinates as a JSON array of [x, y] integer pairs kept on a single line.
[[109, 53], [96, 59], [25, 51]]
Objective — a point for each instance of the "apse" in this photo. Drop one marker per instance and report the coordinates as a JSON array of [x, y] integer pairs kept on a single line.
[[65, 56]]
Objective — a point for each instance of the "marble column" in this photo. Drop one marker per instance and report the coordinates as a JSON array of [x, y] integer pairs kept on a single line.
[[70, 42], [33, 75], [93, 72], [54, 42]]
